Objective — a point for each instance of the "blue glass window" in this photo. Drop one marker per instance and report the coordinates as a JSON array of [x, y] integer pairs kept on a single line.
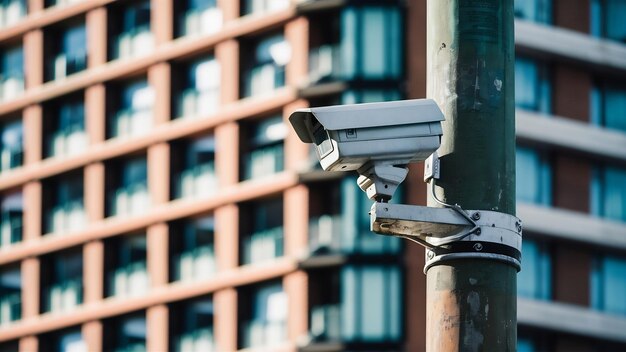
[[62, 281], [199, 17], [263, 154], [10, 294], [539, 11], [265, 316], [131, 30], [66, 340], [264, 65], [133, 116], [70, 53], [371, 42], [129, 182], [607, 19], [194, 172], [64, 204], [200, 89], [12, 72], [66, 121], [535, 278], [192, 248], [262, 231], [192, 325], [533, 87], [126, 266], [11, 218], [371, 299], [11, 12], [126, 333], [11, 145], [533, 175], [608, 106], [608, 193], [608, 284]]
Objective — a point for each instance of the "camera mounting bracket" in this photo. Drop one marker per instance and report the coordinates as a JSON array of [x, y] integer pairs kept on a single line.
[[452, 233]]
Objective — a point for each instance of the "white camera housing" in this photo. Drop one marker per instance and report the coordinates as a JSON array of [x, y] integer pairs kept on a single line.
[[376, 139]]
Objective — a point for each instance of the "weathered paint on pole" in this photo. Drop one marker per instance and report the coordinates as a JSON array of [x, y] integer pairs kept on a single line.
[[471, 303]]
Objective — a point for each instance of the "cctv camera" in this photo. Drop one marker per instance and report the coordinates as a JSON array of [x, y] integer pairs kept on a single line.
[[376, 139]]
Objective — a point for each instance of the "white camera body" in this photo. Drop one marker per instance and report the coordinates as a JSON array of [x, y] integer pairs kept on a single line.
[[374, 138]]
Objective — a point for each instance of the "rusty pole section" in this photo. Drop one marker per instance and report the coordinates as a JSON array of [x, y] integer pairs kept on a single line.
[[471, 303]]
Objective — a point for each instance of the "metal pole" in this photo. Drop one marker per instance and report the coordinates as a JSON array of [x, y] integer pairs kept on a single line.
[[471, 303]]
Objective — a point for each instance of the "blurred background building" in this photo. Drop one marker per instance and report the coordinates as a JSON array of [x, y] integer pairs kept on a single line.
[[152, 197]]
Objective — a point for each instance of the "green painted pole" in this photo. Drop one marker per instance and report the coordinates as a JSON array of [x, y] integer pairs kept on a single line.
[[471, 303]]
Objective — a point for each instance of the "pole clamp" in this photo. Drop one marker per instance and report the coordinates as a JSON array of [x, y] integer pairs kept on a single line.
[[452, 233]]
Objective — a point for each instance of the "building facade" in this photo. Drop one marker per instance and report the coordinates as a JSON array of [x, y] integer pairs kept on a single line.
[[152, 196]]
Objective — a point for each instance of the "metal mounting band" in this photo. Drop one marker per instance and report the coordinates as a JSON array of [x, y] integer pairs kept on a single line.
[[452, 233]]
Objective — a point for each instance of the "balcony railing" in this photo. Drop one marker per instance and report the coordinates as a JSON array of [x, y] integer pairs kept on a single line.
[[10, 307], [263, 334], [324, 63], [132, 122], [264, 162], [195, 264], [11, 88], [12, 13], [198, 181], [199, 103], [130, 280], [10, 228], [65, 66], [199, 22], [134, 43], [264, 79], [200, 340], [68, 217], [325, 233], [131, 200], [263, 245], [65, 296], [68, 142], [10, 158], [326, 323]]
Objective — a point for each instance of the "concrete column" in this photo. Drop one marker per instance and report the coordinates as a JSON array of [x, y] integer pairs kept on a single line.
[[297, 34], [227, 237], [571, 92], [33, 58], [230, 9], [96, 20], [92, 335], [33, 139], [225, 303], [296, 220], [296, 285], [158, 254], [35, 5], [95, 113], [227, 54], [162, 20], [94, 191], [226, 160], [159, 173], [159, 77], [93, 271], [32, 211], [157, 321], [29, 344], [30, 288]]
